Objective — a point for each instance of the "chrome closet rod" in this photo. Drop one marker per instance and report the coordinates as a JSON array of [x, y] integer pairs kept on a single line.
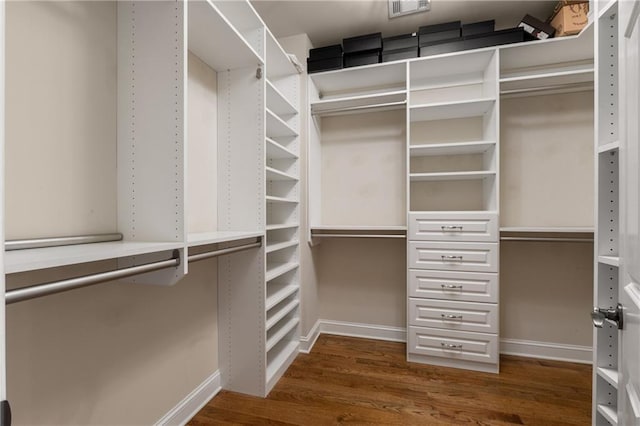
[[359, 235], [356, 108], [215, 253], [60, 241], [548, 239], [40, 290]]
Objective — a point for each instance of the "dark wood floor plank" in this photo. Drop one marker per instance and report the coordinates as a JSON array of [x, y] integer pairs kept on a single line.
[[360, 381]]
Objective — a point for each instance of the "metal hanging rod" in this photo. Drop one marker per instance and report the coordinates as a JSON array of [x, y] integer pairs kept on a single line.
[[215, 253], [60, 241], [359, 235], [587, 85], [548, 239], [357, 108], [40, 290]]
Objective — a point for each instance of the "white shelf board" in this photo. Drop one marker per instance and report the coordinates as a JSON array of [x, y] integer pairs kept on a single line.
[[424, 177], [274, 270], [280, 362], [276, 151], [609, 260], [271, 247], [272, 199], [277, 102], [51, 257], [274, 174], [548, 80], [214, 40], [550, 52], [546, 229], [282, 332], [203, 238], [610, 375], [278, 226], [283, 312], [277, 128], [240, 14], [278, 63], [372, 228], [609, 147], [450, 67], [350, 103], [457, 148], [443, 111], [607, 8], [608, 413], [282, 292], [390, 76]]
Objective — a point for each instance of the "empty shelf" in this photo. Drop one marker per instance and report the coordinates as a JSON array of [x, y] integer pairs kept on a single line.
[[457, 148], [204, 238], [279, 359], [444, 111], [214, 40], [277, 128], [51, 257], [423, 177], [271, 247], [277, 316], [277, 102], [609, 260], [610, 375], [274, 270], [276, 151], [609, 413], [278, 62], [553, 79], [359, 231], [386, 76], [609, 147], [277, 293], [272, 199], [276, 226], [274, 174], [550, 229], [281, 332]]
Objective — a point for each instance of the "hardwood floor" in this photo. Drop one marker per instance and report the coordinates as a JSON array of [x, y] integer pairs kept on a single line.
[[361, 381]]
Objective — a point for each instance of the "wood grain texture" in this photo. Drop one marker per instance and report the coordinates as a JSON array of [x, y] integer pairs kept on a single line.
[[361, 381]]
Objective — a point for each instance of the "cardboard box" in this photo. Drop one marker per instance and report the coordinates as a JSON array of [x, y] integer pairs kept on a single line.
[[570, 17]]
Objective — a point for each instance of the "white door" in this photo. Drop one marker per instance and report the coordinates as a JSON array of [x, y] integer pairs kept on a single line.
[[629, 290]]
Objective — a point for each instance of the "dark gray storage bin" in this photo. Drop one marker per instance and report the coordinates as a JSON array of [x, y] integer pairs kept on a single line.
[[327, 64], [476, 28], [510, 35], [404, 41], [362, 43], [438, 48], [399, 54], [362, 58], [327, 52]]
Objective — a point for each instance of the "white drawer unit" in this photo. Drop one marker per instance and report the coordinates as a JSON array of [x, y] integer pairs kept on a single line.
[[454, 256], [453, 226], [463, 316], [453, 285], [454, 345]]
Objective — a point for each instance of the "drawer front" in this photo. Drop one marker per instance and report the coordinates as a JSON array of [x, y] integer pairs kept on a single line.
[[467, 286], [461, 345], [470, 257], [463, 316], [454, 226]]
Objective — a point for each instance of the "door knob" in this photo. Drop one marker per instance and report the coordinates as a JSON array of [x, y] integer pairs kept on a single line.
[[614, 315]]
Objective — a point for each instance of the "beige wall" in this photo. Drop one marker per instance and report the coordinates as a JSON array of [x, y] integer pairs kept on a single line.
[[115, 354]]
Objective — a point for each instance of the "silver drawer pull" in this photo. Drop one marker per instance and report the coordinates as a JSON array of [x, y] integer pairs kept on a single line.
[[451, 346], [451, 286], [451, 228], [451, 317], [451, 258]]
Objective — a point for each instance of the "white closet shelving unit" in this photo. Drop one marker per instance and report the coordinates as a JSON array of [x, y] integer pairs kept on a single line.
[[607, 247], [282, 168], [451, 176], [204, 157], [452, 249], [366, 201]]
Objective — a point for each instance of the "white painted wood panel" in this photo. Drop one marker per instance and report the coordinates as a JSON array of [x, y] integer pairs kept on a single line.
[[463, 316], [471, 257], [468, 286], [454, 345], [454, 226]]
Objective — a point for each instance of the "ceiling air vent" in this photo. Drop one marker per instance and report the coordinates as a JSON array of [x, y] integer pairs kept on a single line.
[[407, 7]]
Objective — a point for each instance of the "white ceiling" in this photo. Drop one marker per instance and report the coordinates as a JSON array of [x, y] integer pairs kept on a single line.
[[329, 21]]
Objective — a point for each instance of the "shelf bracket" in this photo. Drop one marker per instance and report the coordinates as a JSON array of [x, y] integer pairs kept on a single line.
[[259, 73]]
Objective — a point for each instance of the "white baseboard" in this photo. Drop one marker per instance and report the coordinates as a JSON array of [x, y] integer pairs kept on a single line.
[[192, 403], [525, 348], [545, 350], [307, 342]]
